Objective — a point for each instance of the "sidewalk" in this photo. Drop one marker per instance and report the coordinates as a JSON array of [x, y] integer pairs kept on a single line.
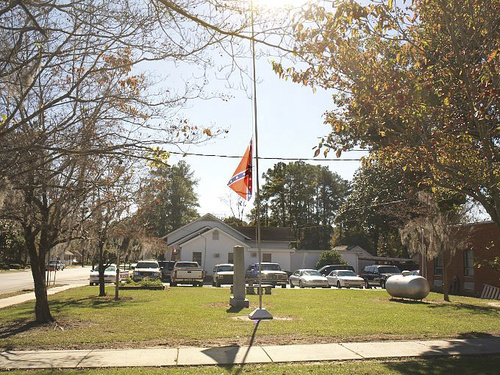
[[6, 302], [191, 356]]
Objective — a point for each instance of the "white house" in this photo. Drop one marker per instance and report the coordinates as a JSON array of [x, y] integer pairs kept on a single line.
[[210, 241]]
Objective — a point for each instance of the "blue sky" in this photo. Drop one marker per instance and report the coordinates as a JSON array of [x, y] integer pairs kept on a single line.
[[290, 123]]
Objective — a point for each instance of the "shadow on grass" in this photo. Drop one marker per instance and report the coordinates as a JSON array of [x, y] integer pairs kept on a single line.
[[16, 328], [234, 309], [483, 364], [409, 301], [478, 309], [92, 302]]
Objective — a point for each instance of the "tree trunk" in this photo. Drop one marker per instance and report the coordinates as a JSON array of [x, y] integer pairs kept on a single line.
[[102, 286], [42, 310], [446, 292]]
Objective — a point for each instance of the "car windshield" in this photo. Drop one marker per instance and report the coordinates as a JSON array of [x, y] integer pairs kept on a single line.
[[269, 267], [392, 269], [346, 273], [225, 268], [111, 269], [186, 265], [147, 265], [311, 273]]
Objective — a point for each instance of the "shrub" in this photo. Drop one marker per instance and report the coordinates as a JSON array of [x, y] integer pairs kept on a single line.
[[330, 257]]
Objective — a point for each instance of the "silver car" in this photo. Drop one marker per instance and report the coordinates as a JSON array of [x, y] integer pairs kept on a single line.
[[308, 278], [345, 278]]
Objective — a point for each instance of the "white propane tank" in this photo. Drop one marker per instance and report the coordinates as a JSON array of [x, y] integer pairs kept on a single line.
[[407, 286]]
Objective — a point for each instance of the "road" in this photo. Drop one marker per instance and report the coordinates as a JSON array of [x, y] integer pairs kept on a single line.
[[13, 281]]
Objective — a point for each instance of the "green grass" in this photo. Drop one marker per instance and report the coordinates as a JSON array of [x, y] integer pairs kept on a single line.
[[201, 316], [484, 365]]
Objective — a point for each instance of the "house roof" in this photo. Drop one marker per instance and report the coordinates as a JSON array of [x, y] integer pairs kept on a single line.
[[268, 233]]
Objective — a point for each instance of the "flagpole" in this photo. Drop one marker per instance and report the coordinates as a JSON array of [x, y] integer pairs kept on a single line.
[[260, 313]]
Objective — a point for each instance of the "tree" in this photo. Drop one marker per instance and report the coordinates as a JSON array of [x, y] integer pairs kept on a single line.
[[415, 83], [304, 197], [330, 257], [235, 222], [168, 200], [12, 249], [436, 233], [380, 201], [71, 106]]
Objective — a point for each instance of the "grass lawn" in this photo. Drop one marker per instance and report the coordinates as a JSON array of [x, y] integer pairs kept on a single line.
[[201, 317], [432, 366]]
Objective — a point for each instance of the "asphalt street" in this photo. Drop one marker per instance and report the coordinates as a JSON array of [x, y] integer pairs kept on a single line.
[[13, 281]]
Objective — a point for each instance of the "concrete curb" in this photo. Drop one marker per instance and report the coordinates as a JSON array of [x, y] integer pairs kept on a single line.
[[235, 355]]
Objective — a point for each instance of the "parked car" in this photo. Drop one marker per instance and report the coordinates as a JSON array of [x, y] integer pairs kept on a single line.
[[345, 278], [308, 278], [272, 274], [377, 275], [186, 272], [109, 275], [325, 270], [146, 268], [223, 274], [166, 268], [56, 265]]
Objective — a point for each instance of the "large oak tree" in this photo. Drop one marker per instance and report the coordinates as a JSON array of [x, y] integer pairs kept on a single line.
[[416, 82]]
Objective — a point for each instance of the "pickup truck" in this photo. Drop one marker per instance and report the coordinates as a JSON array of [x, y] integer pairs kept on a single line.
[[146, 269], [187, 273], [272, 274]]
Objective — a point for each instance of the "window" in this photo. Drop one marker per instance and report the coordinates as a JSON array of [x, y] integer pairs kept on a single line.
[[215, 235], [469, 263], [266, 257], [230, 258], [438, 265], [216, 255], [197, 257]]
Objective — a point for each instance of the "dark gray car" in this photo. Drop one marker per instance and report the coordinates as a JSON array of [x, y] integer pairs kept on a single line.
[[377, 275]]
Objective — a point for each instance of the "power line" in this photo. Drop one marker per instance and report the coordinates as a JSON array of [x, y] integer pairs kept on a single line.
[[185, 154]]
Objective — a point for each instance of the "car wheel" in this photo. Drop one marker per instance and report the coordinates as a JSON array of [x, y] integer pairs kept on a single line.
[[173, 284], [217, 284], [291, 285], [382, 284], [338, 285], [301, 284], [367, 284]]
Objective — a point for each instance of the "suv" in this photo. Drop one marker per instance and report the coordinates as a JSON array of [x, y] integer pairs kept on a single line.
[[166, 269], [325, 270], [377, 275], [146, 268], [272, 274], [223, 274]]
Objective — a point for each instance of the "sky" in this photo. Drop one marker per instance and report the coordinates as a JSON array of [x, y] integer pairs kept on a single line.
[[289, 122]]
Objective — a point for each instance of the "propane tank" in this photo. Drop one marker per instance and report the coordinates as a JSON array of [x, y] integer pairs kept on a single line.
[[407, 286]]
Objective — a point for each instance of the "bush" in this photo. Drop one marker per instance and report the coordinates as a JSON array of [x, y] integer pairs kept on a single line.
[[146, 282], [330, 257]]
